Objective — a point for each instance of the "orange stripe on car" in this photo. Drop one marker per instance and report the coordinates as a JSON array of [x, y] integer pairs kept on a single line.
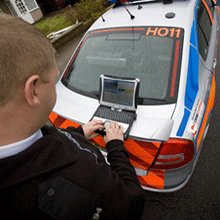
[[173, 83], [142, 149], [118, 29], [99, 141], [140, 163], [209, 108], [142, 154], [209, 12], [60, 122], [154, 179]]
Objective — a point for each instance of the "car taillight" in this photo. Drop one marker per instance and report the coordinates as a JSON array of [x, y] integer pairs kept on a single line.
[[174, 153]]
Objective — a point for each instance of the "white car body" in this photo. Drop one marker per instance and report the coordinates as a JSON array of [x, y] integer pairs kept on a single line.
[[185, 120]]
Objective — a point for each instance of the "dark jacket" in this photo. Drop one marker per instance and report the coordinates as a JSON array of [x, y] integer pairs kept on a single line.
[[64, 176]]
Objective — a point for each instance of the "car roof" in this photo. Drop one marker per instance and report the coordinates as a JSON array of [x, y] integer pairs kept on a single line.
[[150, 14]]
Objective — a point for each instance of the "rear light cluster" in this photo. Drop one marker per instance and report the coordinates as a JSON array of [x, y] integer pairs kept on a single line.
[[174, 153]]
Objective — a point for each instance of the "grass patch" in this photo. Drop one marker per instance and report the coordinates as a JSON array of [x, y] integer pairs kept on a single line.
[[53, 24], [82, 11]]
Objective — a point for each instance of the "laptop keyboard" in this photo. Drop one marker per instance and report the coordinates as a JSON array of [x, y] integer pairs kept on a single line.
[[123, 116]]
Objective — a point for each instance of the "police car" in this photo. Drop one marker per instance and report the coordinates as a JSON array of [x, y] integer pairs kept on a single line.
[[171, 46]]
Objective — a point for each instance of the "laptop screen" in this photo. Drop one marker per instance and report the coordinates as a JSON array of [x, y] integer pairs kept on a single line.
[[119, 92]]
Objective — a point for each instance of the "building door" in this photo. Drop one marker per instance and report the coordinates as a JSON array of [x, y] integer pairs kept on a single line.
[[11, 8], [22, 10]]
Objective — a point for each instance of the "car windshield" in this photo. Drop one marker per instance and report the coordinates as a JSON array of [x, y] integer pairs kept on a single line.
[[152, 54]]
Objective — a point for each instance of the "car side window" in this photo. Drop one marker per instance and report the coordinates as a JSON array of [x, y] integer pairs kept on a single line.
[[204, 25]]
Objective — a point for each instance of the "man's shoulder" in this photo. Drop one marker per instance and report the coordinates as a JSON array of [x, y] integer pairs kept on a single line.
[[70, 131]]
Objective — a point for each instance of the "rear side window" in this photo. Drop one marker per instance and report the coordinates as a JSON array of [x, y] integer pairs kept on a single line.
[[152, 54], [204, 25]]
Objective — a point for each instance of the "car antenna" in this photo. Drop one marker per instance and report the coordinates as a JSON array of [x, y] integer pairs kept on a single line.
[[103, 18], [132, 16]]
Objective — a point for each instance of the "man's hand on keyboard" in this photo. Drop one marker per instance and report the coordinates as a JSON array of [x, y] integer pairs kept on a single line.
[[114, 131], [90, 127]]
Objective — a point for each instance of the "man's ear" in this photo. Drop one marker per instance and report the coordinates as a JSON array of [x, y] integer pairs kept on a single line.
[[30, 91]]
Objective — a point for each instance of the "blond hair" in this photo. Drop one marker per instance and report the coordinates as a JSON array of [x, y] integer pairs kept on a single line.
[[24, 51]]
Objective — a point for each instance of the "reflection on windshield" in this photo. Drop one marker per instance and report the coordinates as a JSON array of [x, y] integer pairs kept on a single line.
[[126, 54]]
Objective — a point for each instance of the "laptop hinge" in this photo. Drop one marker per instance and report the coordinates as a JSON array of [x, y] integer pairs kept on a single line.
[[116, 108]]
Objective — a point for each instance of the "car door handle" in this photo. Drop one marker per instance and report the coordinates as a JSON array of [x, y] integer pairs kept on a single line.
[[214, 63]]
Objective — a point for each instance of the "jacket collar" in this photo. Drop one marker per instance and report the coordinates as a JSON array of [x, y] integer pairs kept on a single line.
[[15, 148], [49, 153]]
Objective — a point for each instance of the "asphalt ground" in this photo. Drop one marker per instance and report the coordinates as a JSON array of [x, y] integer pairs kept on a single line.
[[200, 198]]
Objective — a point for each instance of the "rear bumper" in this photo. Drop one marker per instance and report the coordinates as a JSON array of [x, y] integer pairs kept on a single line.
[[173, 180]]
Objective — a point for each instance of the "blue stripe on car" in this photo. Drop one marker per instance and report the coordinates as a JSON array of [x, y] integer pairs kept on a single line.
[[192, 84], [183, 123]]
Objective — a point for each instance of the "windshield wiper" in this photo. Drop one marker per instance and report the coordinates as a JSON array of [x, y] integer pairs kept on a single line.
[[145, 101], [95, 94], [154, 99]]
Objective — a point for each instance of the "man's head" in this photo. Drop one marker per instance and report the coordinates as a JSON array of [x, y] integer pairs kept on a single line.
[[28, 72], [24, 51]]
